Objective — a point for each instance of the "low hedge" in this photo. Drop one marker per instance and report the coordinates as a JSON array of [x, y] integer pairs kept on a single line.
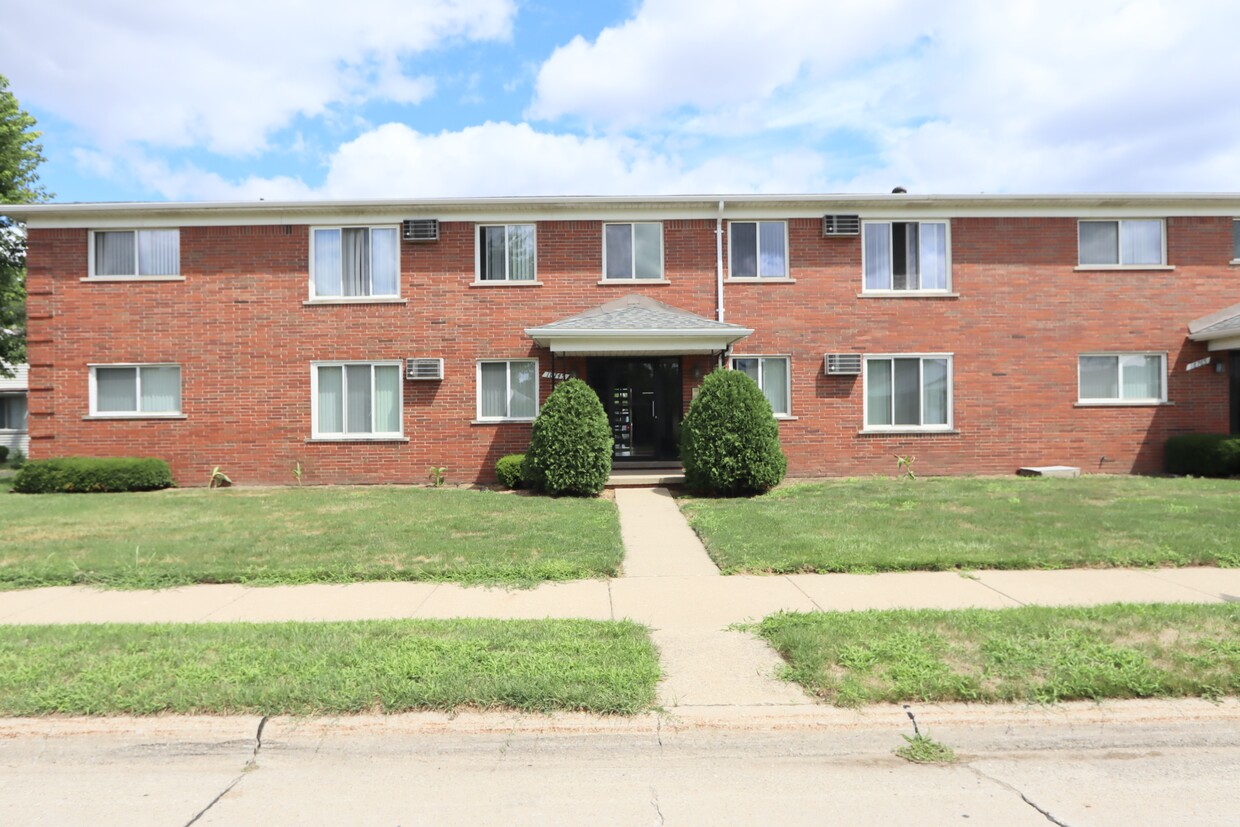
[[508, 469], [78, 475], [1203, 455]]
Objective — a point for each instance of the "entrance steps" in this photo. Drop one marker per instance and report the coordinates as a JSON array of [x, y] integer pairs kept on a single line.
[[646, 477]]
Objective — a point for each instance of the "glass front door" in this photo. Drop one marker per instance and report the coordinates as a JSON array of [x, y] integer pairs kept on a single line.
[[642, 398]]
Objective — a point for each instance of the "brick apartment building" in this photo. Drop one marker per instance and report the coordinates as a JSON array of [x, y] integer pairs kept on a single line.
[[369, 340]]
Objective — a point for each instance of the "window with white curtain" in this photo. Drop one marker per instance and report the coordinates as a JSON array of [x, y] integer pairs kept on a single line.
[[1122, 377], [757, 249], [632, 251], [135, 253], [1126, 242], [905, 255], [356, 400], [508, 389], [13, 412], [906, 392], [506, 252], [135, 390], [771, 374], [354, 262]]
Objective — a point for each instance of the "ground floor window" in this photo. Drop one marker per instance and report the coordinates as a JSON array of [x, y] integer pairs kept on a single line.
[[508, 389], [771, 374], [908, 392], [1122, 377], [356, 399], [13, 412], [135, 390]]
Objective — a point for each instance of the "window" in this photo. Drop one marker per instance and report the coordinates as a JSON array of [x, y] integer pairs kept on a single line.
[[506, 253], [632, 251], [135, 253], [356, 400], [906, 255], [771, 374], [908, 392], [1122, 377], [508, 389], [1124, 243], [13, 412], [354, 262], [759, 249], [135, 390]]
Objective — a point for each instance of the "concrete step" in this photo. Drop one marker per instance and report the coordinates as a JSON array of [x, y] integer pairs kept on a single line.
[[645, 477]]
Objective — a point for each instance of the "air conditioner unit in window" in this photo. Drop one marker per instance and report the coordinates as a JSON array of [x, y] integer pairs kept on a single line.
[[423, 369], [420, 229], [833, 225], [842, 364]]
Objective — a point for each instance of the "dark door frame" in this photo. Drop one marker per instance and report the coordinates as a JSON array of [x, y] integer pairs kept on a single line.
[[654, 434], [1234, 356]]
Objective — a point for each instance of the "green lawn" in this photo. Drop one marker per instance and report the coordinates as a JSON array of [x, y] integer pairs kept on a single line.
[[1032, 653], [327, 668], [302, 535], [865, 525]]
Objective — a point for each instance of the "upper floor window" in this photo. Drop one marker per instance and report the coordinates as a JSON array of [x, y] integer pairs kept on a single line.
[[353, 262], [1122, 243], [771, 374], [135, 390], [758, 249], [908, 392], [1122, 377], [632, 251], [506, 253], [13, 412], [905, 255], [356, 400], [508, 389], [135, 253]]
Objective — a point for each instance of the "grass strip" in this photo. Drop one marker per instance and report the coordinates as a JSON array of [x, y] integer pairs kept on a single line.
[[1033, 653], [303, 535], [942, 523], [327, 668]]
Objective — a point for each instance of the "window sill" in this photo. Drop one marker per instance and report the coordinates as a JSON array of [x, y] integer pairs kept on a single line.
[[358, 438], [786, 417], [505, 284], [131, 278], [11, 431], [907, 294], [760, 280], [631, 282], [135, 416], [908, 432], [358, 300], [500, 421], [1235, 262], [1088, 268], [1121, 403]]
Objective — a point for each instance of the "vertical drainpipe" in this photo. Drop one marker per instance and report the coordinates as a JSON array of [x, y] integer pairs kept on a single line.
[[719, 269]]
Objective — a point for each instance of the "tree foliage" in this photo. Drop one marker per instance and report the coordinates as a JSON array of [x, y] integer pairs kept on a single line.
[[20, 156], [730, 440]]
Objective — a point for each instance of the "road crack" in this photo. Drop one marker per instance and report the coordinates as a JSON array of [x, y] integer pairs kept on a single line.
[[1045, 813], [250, 764], [654, 802]]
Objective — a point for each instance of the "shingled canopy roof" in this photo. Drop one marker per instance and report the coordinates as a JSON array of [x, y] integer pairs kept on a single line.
[[636, 325], [1221, 330]]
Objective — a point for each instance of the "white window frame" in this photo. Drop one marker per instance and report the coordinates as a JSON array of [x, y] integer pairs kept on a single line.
[[507, 279], [866, 427], [353, 436], [1119, 229], [508, 390], [632, 278], [758, 250], [22, 395], [139, 414], [762, 359], [330, 299], [91, 275], [1120, 400], [920, 291]]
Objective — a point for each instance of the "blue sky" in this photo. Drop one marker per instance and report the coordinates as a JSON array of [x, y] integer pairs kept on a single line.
[[247, 99]]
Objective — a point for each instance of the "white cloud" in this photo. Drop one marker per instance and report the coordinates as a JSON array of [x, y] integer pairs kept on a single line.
[[227, 73]]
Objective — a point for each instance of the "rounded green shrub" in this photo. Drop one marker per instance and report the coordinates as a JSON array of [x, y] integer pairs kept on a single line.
[[570, 446], [508, 469], [85, 475], [1203, 455], [730, 440]]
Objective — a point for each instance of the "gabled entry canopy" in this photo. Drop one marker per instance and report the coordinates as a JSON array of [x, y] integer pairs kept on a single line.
[[636, 325], [1220, 330]]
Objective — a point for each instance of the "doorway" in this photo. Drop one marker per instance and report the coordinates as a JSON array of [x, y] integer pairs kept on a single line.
[[643, 401], [1235, 390]]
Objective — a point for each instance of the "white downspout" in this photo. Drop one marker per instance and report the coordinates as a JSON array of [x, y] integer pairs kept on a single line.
[[719, 262]]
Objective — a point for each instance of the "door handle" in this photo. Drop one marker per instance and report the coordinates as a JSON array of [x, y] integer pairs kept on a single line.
[[652, 413]]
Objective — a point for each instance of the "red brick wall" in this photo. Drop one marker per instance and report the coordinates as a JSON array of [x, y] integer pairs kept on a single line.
[[244, 339]]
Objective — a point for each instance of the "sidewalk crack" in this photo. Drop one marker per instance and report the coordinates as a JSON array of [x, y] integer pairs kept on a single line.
[[814, 602], [982, 582], [1045, 813]]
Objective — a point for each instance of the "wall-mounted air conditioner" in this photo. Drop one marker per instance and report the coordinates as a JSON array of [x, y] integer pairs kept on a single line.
[[842, 364], [420, 229], [833, 225], [423, 369]]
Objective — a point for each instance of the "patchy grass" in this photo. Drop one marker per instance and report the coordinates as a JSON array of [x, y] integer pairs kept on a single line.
[[303, 535], [922, 749], [1033, 653], [327, 668], [868, 525]]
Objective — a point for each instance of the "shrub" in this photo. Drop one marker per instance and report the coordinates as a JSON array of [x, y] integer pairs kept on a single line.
[[92, 474], [1203, 455], [570, 446], [730, 440], [508, 469], [17, 459], [4, 454]]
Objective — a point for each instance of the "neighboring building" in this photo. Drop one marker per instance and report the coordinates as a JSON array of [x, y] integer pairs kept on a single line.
[[978, 333], [13, 433]]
